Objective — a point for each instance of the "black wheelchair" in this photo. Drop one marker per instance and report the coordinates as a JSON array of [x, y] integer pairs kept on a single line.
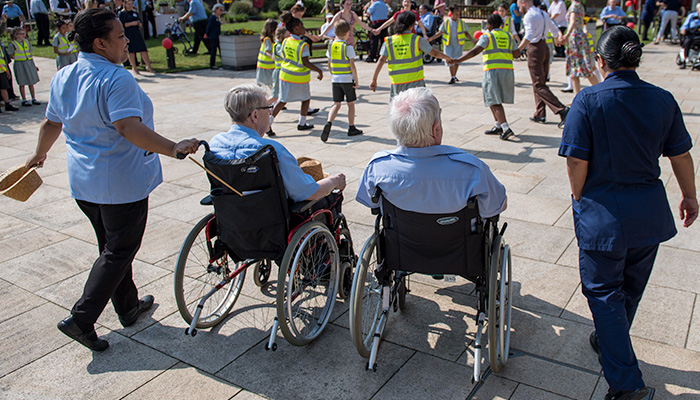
[[459, 243], [252, 225]]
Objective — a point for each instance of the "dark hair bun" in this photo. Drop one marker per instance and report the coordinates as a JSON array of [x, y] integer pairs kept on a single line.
[[631, 52]]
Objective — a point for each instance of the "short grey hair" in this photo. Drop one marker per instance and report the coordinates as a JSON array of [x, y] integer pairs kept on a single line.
[[242, 100], [217, 6], [412, 114]]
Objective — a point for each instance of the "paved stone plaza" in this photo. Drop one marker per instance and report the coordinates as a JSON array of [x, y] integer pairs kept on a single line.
[[47, 247]]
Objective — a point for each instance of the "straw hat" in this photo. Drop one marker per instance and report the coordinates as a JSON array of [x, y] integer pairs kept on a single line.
[[19, 182], [312, 167]]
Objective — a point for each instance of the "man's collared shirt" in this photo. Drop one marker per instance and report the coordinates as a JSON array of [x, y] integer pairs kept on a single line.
[[537, 23], [692, 23], [12, 11], [612, 11], [432, 179], [559, 9], [197, 10], [38, 7], [378, 11], [241, 141]]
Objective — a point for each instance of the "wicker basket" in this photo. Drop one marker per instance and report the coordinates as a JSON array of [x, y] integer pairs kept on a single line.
[[19, 182]]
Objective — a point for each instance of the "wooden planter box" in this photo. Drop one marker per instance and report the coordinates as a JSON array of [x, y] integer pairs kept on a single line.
[[239, 51]]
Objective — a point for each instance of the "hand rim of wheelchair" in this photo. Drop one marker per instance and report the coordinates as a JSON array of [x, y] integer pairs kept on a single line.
[[289, 328], [363, 340], [231, 293], [499, 306]]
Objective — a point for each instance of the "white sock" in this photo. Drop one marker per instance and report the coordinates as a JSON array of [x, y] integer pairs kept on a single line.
[[504, 126], [302, 120], [570, 85], [496, 124]]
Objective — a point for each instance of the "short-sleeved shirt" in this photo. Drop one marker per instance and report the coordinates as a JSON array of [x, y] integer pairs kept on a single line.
[[12, 11], [692, 23], [350, 54], [432, 179], [378, 11], [38, 7], [558, 8], [612, 11], [197, 10], [241, 141], [331, 31], [87, 97], [427, 19], [513, 9], [621, 127]]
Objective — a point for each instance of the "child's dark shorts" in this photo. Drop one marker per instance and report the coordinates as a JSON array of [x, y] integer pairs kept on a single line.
[[344, 91]]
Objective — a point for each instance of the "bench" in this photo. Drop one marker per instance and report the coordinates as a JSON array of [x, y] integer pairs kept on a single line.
[[320, 45]]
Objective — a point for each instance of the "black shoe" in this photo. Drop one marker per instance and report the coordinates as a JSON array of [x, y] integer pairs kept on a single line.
[[10, 107], [312, 112], [270, 133], [494, 131], [370, 60], [567, 90], [540, 120], [36, 103], [326, 131], [452, 81], [506, 134], [132, 316], [638, 394], [456, 79], [562, 114], [682, 66], [26, 103], [305, 127], [89, 340], [353, 131]]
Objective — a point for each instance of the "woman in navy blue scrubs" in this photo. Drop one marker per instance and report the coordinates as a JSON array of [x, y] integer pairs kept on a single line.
[[615, 133]]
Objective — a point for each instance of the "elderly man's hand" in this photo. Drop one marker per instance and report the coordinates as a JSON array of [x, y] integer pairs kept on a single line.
[[339, 181]]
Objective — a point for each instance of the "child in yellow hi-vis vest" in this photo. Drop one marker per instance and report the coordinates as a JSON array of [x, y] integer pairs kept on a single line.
[[499, 49], [454, 32], [266, 63], [5, 83], [25, 70], [341, 63], [62, 46]]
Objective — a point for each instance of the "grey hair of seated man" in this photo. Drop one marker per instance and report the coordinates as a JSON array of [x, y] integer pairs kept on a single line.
[[412, 115], [242, 100]]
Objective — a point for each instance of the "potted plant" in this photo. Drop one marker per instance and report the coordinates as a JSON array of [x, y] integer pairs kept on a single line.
[[239, 49]]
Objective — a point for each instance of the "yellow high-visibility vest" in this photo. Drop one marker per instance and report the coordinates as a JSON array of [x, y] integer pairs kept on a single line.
[[3, 64], [405, 60], [499, 52], [63, 45], [340, 64], [590, 42], [506, 23], [278, 59], [461, 32], [265, 61], [549, 39], [292, 69], [75, 47], [22, 52]]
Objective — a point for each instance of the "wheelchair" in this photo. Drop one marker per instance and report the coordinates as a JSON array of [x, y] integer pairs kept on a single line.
[[693, 60], [406, 242], [310, 241]]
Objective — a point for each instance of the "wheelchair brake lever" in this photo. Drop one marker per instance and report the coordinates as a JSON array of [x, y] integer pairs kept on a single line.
[[377, 193], [503, 229]]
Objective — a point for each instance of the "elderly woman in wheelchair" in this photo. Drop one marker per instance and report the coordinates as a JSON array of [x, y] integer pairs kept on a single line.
[[437, 211], [265, 209]]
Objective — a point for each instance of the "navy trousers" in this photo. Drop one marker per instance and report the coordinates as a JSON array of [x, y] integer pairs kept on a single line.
[[613, 282]]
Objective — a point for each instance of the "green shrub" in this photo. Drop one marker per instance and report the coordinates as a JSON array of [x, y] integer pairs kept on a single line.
[[242, 7], [313, 7], [239, 18], [265, 15]]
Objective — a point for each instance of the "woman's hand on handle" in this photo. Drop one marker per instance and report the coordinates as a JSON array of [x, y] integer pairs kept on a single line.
[[187, 146]]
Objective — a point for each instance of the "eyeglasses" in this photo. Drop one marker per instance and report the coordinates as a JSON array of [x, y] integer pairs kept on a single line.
[[268, 108]]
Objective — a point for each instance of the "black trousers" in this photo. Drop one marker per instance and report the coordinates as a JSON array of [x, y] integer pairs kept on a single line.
[[42, 25], [376, 41], [689, 38], [213, 47], [148, 16], [119, 229], [200, 28]]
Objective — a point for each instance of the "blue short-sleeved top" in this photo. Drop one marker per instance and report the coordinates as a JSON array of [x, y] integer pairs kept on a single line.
[[87, 97], [12, 11], [621, 127], [431, 180], [241, 141], [378, 11], [607, 10], [197, 10], [513, 9]]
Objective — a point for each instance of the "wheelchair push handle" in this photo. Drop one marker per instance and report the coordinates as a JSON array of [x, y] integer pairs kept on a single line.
[[181, 156]]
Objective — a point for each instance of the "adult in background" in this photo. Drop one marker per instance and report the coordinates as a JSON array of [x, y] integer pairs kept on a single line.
[[108, 124], [198, 18], [439, 7], [41, 16], [537, 24], [669, 15], [579, 60], [427, 18], [131, 21], [691, 30], [378, 13], [150, 17], [12, 14], [61, 8], [517, 17], [406, 6], [648, 14], [213, 32], [621, 212], [612, 14], [557, 12], [348, 15]]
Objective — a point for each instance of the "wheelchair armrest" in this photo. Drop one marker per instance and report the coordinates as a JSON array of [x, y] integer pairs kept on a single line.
[[377, 193], [301, 206], [207, 201], [376, 210]]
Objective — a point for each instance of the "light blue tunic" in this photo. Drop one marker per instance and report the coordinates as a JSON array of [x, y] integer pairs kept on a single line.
[[87, 97], [435, 179]]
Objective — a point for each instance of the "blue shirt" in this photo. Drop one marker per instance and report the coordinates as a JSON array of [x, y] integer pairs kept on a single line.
[[427, 19], [621, 127], [612, 11], [692, 23], [38, 7], [12, 11], [87, 97], [241, 141], [431, 180], [513, 9], [197, 10], [378, 11]]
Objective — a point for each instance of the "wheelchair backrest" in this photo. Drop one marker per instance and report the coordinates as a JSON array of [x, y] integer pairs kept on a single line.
[[256, 224], [445, 243]]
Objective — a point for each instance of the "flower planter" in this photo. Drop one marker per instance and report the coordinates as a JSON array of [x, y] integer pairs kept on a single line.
[[239, 51]]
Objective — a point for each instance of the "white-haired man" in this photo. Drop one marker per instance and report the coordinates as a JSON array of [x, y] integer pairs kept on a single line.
[[250, 113], [421, 174]]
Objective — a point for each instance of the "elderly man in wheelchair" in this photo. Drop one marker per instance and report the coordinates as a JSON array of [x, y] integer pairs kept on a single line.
[[266, 208], [437, 212]]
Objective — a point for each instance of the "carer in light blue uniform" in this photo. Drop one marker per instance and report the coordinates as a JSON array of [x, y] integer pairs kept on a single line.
[[108, 124], [423, 176]]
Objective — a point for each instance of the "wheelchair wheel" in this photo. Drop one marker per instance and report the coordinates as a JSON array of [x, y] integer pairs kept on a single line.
[[347, 262], [198, 271], [261, 272], [499, 305], [307, 283], [365, 299]]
